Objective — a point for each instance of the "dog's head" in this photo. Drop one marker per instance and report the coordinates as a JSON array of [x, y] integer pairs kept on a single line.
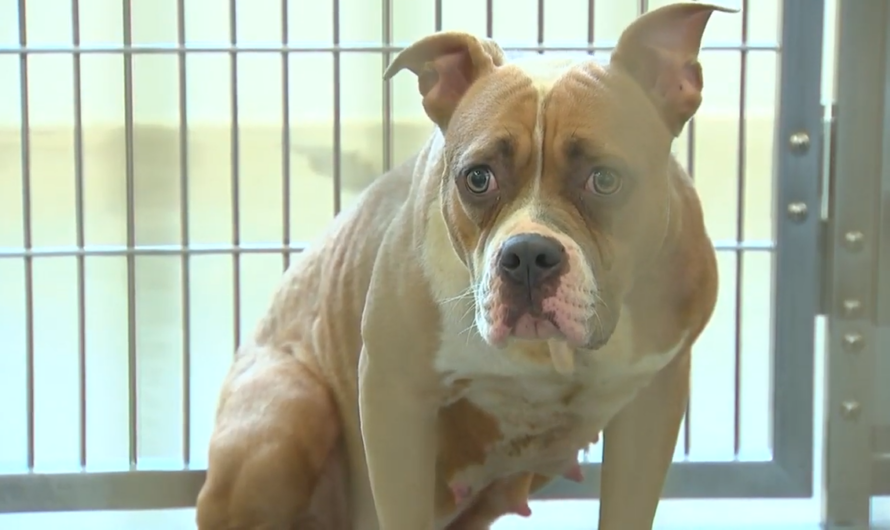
[[554, 176]]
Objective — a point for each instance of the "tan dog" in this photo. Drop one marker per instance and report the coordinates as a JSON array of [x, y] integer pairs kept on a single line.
[[537, 274]]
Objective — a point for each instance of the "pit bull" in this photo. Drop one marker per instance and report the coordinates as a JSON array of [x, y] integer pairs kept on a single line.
[[536, 275]]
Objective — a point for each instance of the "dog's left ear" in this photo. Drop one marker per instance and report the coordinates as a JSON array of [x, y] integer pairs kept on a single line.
[[660, 51], [446, 64]]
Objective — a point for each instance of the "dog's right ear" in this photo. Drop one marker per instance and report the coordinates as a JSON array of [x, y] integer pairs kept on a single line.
[[446, 64]]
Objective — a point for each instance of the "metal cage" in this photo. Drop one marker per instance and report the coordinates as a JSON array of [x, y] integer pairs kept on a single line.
[[830, 253]]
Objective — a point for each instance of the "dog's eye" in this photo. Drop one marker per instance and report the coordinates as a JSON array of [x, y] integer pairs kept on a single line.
[[479, 180], [604, 182]]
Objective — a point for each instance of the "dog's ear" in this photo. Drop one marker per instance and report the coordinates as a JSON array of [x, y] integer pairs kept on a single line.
[[660, 51], [446, 64]]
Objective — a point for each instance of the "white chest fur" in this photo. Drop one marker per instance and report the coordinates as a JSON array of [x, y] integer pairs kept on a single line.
[[553, 415]]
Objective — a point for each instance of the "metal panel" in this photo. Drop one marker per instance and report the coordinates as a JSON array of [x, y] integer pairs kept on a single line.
[[797, 236], [858, 300], [881, 438]]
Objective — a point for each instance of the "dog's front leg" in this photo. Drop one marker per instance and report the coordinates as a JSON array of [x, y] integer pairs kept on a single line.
[[398, 387], [638, 447], [398, 429]]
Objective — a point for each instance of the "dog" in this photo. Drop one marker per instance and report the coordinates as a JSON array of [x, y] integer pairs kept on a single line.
[[535, 276]]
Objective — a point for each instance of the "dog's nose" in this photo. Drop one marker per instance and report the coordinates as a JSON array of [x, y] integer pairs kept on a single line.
[[530, 259]]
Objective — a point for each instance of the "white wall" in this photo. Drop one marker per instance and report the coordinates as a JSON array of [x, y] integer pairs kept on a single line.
[[311, 90]]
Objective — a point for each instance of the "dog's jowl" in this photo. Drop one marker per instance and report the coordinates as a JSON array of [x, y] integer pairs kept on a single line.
[[535, 276]]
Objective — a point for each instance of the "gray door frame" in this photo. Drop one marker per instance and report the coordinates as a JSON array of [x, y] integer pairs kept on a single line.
[[858, 244]]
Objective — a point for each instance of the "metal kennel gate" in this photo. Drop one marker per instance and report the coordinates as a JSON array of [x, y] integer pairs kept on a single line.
[[797, 248], [857, 273]]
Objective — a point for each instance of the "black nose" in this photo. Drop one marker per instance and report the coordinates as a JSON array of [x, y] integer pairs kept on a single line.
[[529, 259]]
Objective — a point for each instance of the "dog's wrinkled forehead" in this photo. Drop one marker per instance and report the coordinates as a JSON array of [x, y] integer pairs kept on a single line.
[[539, 108]]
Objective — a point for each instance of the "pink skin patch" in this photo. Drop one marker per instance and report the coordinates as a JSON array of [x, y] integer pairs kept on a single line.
[[529, 327], [461, 492], [522, 509], [574, 473], [569, 309]]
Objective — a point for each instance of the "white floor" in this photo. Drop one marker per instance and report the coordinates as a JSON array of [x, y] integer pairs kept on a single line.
[[549, 515]]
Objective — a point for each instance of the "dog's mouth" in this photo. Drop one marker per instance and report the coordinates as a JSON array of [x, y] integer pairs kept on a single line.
[[530, 327], [542, 328], [554, 318]]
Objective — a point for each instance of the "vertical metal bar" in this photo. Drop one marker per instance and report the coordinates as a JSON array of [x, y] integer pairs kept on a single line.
[[591, 27], [387, 87], [740, 233], [26, 230], [881, 420], [236, 169], [338, 125], [79, 230], [690, 168], [285, 134], [541, 25], [489, 18], [643, 6], [863, 62], [882, 282], [795, 297], [131, 232], [437, 7], [185, 262]]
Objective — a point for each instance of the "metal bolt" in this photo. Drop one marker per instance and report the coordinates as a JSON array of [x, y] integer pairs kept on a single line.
[[799, 142], [852, 307], [851, 409], [797, 211], [853, 240], [853, 342]]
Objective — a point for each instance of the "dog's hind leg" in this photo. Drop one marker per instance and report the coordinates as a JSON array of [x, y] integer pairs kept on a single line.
[[274, 449]]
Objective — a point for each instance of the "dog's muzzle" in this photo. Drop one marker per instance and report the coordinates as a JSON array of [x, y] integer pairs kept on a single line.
[[529, 270]]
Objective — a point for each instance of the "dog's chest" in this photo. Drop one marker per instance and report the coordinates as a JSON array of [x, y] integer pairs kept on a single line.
[[537, 419]]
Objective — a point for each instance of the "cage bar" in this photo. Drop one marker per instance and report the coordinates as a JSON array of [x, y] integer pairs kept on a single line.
[[258, 248], [26, 232], [285, 134], [740, 235], [79, 234], [690, 169], [235, 147], [131, 235], [338, 133], [386, 28], [184, 239], [146, 49]]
